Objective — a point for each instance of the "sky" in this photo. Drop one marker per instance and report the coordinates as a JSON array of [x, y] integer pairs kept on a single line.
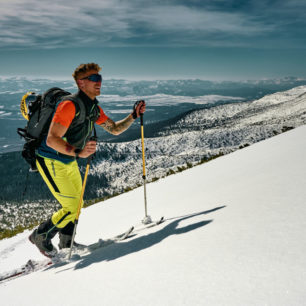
[[159, 39]]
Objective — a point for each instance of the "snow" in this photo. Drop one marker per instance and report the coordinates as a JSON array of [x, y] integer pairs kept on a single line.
[[280, 97], [199, 135], [234, 235], [167, 100]]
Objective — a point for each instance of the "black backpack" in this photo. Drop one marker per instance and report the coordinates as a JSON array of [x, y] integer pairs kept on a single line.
[[39, 114]]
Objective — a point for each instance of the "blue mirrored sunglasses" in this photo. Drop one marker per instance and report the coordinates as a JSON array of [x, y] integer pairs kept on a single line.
[[94, 78]]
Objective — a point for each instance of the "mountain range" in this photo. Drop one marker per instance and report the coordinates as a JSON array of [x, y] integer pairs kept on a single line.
[[184, 141], [165, 99]]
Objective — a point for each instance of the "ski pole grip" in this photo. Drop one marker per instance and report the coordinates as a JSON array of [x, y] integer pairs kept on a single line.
[[89, 159], [93, 138], [141, 119], [92, 156]]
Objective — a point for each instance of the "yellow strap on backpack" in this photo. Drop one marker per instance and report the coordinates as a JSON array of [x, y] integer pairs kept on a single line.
[[23, 105]]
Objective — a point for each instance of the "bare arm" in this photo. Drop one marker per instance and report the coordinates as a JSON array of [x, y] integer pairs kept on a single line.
[[117, 127], [55, 141]]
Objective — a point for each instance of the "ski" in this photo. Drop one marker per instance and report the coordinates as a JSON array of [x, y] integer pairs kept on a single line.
[[143, 226], [157, 222], [103, 243], [61, 257], [161, 220], [29, 267]]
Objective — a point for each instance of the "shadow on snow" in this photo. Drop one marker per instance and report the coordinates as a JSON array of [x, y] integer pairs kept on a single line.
[[124, 248]]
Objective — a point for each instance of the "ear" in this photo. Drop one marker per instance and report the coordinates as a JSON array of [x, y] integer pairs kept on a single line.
[[80, 83]]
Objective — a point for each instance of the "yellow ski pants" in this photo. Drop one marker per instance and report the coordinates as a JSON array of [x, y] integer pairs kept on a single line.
[[65, 183]]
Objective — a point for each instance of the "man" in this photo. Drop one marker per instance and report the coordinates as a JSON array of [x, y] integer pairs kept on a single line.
[[69, 138]]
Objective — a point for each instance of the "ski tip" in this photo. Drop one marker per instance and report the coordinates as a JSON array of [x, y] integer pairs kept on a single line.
[[161, 220]]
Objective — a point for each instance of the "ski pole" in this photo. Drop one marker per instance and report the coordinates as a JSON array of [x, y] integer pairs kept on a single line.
[[80, 205], [147, 218], [81, 200]]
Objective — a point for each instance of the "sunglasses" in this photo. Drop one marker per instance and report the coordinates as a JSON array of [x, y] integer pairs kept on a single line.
[[94, 78]]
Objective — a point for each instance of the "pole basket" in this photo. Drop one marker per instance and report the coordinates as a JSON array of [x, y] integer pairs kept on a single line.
[[147, 220]]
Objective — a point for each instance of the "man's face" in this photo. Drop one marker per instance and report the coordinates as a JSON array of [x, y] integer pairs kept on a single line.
[[92, 89]]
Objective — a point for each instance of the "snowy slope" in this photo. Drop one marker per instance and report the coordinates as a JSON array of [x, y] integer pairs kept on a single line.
[[201, 134], [234, 235], [188, 140]]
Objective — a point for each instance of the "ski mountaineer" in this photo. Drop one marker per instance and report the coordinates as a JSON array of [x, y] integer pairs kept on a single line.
[[57, 154]]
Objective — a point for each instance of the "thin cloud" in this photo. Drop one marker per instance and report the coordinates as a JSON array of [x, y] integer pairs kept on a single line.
[[42, 24], [184, 18]]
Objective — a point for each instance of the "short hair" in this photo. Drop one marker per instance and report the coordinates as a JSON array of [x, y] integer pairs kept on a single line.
[[83, 68]]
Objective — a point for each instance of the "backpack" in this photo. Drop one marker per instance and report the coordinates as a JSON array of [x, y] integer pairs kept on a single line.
[[38, 110]]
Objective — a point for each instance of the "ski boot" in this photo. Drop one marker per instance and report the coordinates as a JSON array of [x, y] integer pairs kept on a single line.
[[65, 242], [65, 237], [42, 236]]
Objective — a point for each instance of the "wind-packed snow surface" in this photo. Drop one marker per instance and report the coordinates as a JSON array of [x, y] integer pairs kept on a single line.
[[234, 235]]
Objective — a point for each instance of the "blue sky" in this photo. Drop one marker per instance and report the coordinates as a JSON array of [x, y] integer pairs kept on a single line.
[[136, 39]]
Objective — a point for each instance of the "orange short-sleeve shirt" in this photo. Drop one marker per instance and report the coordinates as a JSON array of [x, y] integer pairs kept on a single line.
[[65, 113]]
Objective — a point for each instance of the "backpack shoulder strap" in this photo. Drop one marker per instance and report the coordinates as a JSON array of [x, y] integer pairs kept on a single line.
[[53, 95]]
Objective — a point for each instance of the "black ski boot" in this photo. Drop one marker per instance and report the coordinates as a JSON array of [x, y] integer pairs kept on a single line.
[[65, 237], [42, 236], [65, 242]]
